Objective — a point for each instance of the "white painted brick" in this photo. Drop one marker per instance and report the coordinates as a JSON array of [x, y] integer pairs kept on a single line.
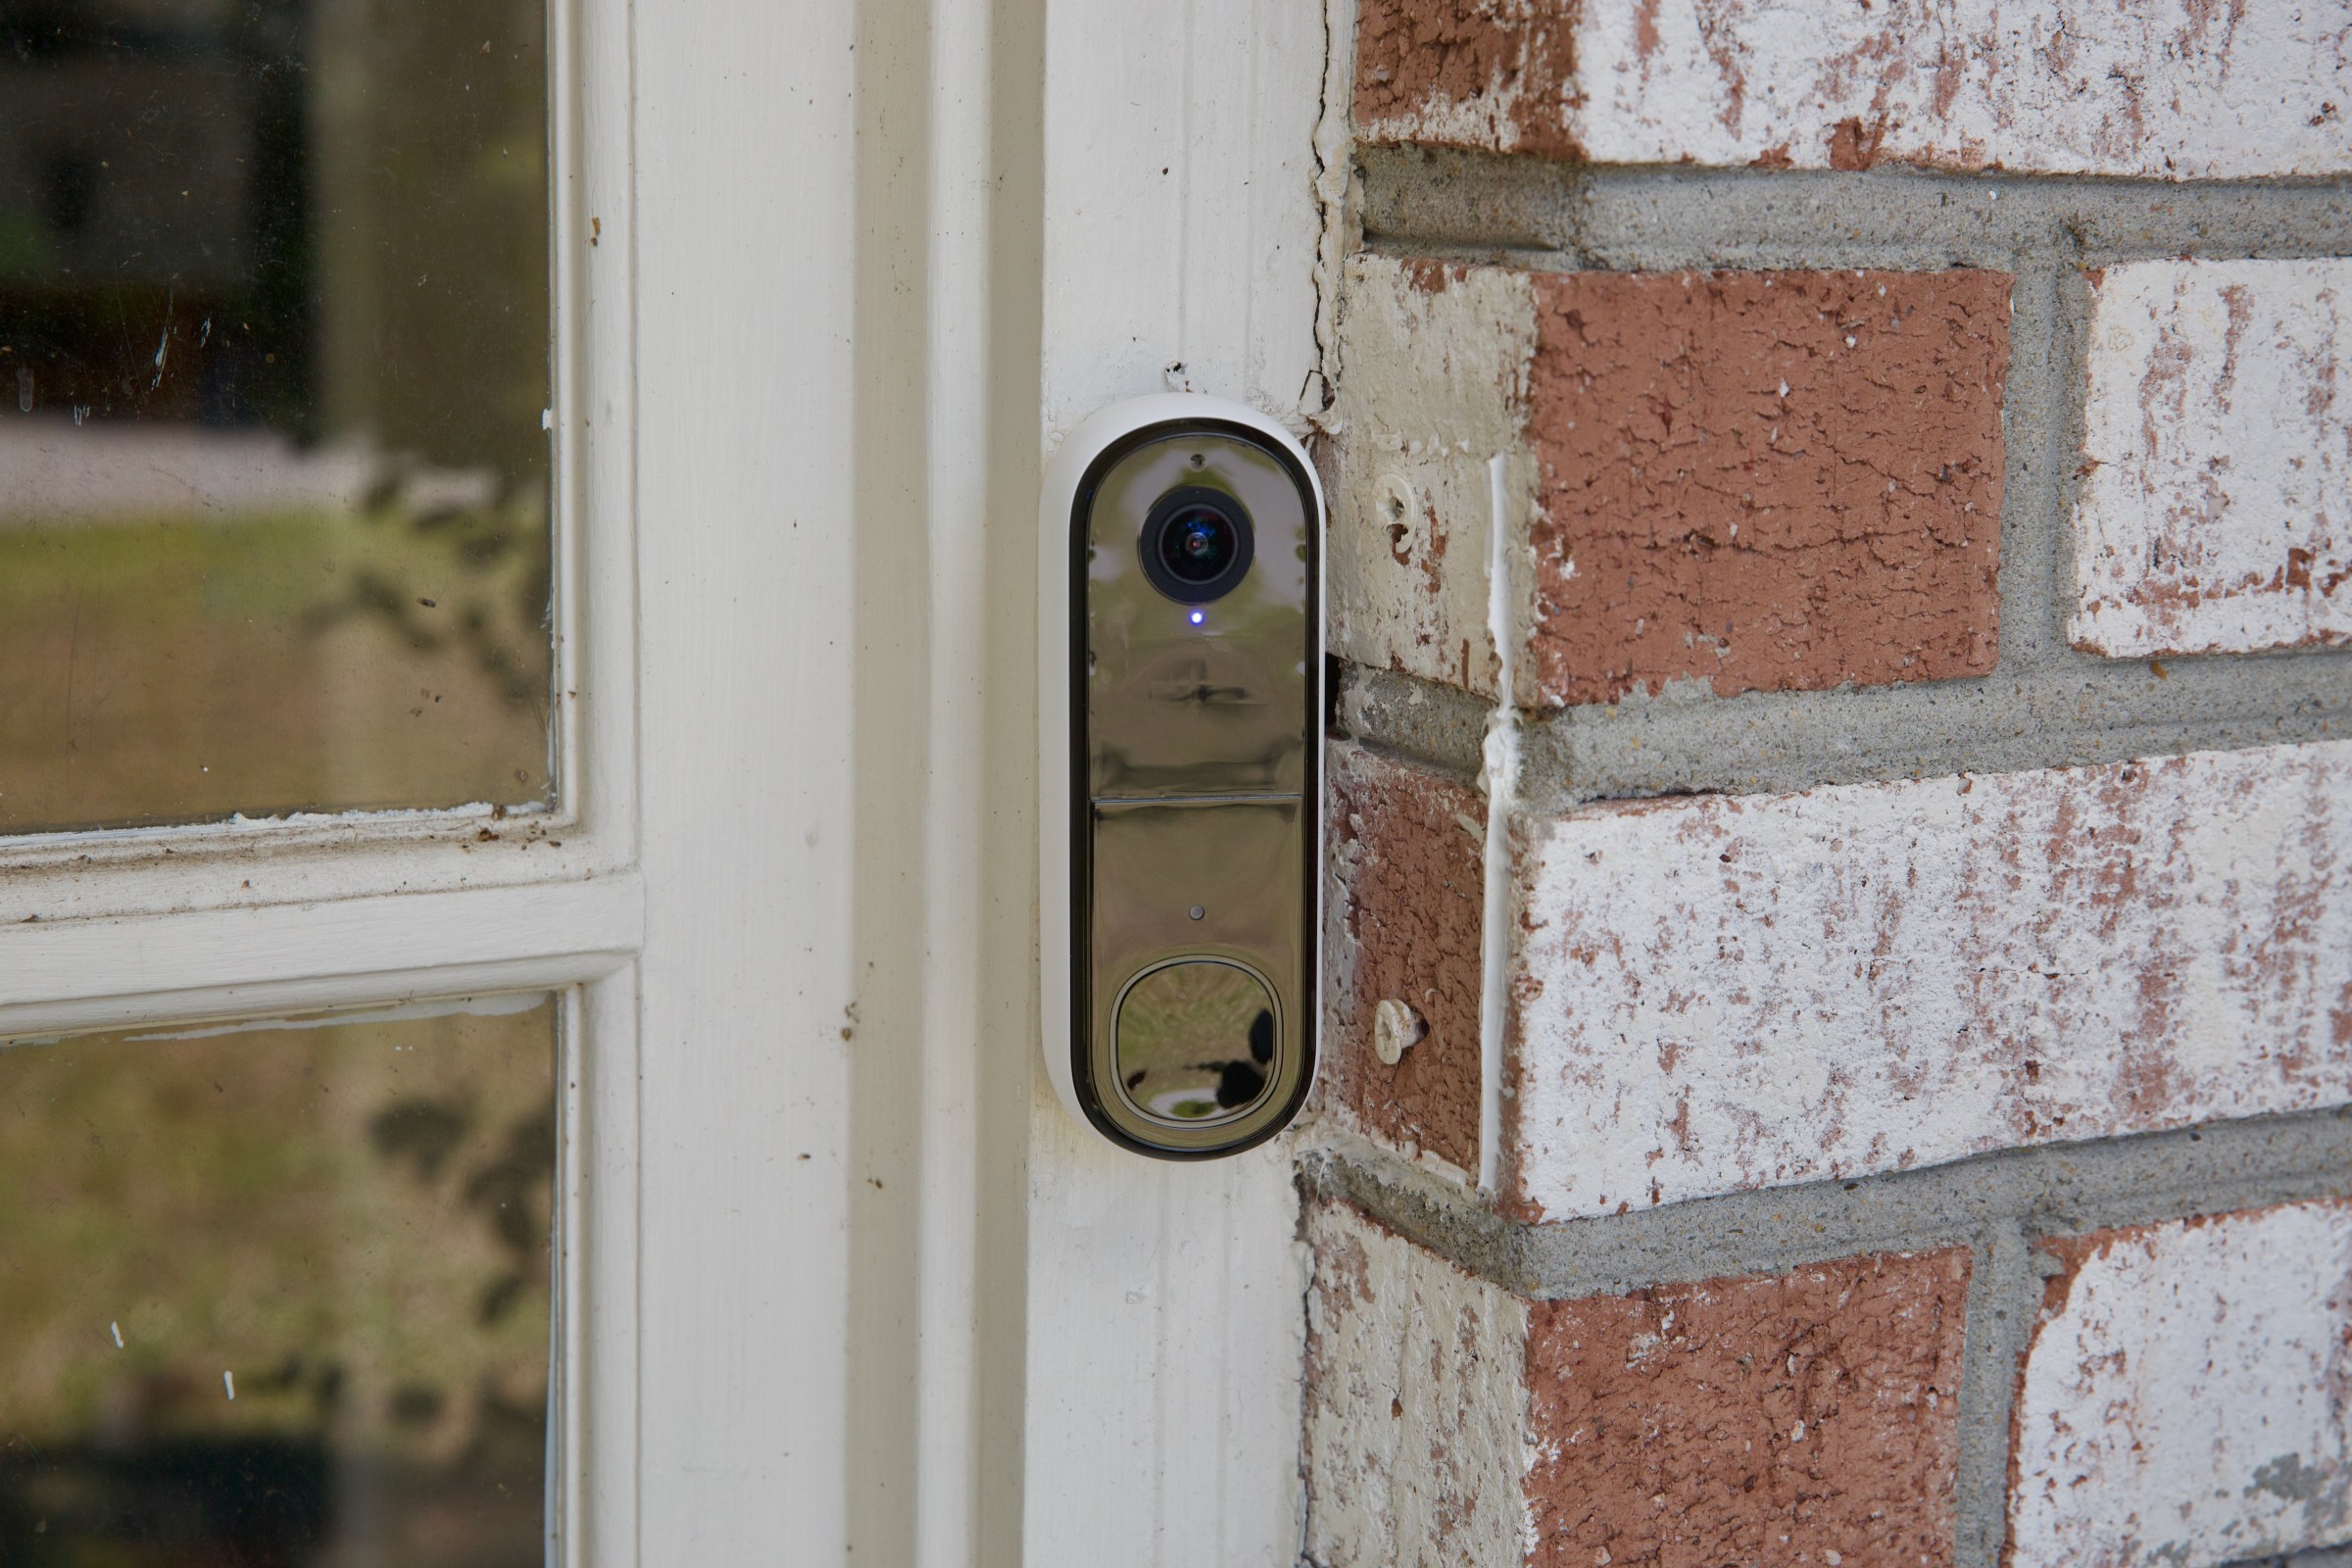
[[1416, 1406], [1434, 386], [2186, 1399], [1452, 1425], [2215, 507], [1727, 993], [2159, 88]]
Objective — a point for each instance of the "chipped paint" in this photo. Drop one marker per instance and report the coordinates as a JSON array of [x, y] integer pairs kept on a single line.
[[1759, 480], [1465, 72], [1417, 1405], [2184, 1397], [1805, 1417], [1434, 386], [2215, 510], [1722, 994], [2168, 89]]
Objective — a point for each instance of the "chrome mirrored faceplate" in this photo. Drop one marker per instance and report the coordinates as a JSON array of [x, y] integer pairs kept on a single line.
[[1195, 758]]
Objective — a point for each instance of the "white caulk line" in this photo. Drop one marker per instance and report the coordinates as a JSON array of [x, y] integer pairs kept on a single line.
[[1499, 777], [229, 1381]]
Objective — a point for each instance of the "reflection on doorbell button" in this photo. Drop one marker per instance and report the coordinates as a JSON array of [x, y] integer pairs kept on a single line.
[[1181, 699]]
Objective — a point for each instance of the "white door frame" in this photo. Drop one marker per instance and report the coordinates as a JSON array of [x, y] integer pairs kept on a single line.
[[835, 1272], [1185, 223]]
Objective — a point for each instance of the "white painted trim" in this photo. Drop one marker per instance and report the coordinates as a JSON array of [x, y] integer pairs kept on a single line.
[[598, 1468], [595, 366], [210, 963], [1166, 1324], [957, 1209], [775, 1344]]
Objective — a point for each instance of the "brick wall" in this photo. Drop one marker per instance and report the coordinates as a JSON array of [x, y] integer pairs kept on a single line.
[[1839, 1038]]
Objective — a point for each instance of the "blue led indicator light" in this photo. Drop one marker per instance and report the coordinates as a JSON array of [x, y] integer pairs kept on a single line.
[[1199, 617]]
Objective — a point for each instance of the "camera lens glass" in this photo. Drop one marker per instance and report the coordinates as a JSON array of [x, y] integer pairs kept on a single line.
[[1195, 544], [1198, 543]]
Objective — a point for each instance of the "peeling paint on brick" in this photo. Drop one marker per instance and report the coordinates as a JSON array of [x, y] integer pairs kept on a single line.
[[1722, 994], [2187, 1399], [1416, 1403], [2169, 90], [1434, 386], [2215, 513], [1802, 1418], [1759, 481], [1807, 1418], [1407, 866], [1467, 72]]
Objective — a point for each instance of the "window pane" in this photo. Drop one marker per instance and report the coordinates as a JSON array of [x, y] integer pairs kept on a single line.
[[273, 361], [277, 1296]]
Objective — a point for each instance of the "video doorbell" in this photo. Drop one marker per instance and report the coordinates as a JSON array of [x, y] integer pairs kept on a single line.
[[1181, 701]]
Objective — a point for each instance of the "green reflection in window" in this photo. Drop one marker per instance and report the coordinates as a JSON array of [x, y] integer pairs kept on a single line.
[[277, 1296], [274, 377]]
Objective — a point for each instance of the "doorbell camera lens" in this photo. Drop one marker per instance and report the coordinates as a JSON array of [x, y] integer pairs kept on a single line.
[[1195, 545]]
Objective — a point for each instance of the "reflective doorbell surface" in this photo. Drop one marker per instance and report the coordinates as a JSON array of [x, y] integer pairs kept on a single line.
[[1181, 676]]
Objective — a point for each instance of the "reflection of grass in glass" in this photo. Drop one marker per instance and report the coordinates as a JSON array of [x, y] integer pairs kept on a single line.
[[184, 670], [1185, 1018], [258, 1204]]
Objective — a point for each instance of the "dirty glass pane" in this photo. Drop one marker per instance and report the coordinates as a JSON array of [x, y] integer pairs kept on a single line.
[[277, 1296], [274, 361]]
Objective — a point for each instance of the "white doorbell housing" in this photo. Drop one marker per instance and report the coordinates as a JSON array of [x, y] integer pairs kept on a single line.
[[1181, 711]]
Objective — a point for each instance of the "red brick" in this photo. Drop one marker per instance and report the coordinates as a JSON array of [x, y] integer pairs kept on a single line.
[[1723, 993], [1496, 65], [1798, 1418], [1760, 480], [1803, 1418], [2214, 513], [1766, 480], [1717, 994], [2182, 1401], [1410, 881]]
